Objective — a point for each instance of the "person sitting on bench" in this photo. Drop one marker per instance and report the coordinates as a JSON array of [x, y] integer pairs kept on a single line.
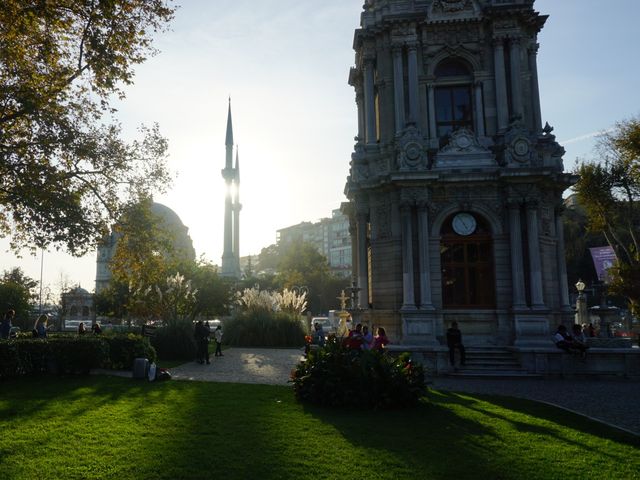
[[565, 342]]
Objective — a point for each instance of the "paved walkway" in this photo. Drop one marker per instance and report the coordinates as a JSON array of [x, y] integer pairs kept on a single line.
[[243, 365], [612, 401]]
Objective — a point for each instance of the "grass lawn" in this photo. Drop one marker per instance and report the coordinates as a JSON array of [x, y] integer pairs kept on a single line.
[[104, 427]]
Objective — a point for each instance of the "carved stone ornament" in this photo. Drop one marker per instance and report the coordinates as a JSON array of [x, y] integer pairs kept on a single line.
[[457, 8], [450, 5], [414, 196], [382, 218], [519, 145], [464, 151], [411, 151]]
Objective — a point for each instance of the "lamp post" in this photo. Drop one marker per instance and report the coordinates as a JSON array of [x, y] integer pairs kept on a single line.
[[581, 304]]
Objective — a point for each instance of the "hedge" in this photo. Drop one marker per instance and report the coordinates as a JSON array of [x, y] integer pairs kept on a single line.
[[71, 355]]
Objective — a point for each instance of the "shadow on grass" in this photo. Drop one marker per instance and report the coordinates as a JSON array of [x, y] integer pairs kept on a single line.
[[462, 436], [122, 428], [554, 416]]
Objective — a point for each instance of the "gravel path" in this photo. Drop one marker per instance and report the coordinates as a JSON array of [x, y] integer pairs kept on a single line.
[[616, 402]]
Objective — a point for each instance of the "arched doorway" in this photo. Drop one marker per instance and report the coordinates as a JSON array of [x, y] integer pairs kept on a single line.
[[466, 258]]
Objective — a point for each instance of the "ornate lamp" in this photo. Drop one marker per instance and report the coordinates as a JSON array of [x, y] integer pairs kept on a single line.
[[580, 286]]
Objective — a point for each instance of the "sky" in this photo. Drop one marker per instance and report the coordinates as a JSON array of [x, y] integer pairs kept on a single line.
[[285, 65]]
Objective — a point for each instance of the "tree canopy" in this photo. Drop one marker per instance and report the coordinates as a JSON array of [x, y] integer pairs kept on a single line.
[[301, 265], [65, 172], [609, 190], [17, 291]]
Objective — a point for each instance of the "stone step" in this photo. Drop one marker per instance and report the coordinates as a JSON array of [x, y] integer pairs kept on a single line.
[[511, 364], [492, 374], [489, 362]]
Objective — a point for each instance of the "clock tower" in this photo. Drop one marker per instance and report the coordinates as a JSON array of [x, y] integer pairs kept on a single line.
[[455, 185]]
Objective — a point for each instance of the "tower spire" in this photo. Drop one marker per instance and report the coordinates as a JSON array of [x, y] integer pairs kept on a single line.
[[237, 206], [229, 257]]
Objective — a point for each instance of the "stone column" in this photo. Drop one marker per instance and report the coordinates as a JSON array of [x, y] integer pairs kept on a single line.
[[408, 298], [502, 102], [361, 121], [369, 104], [535, 262], [363, 277], [517, 270], [353, 232], [562, 264], [479, 110], [426, 302], [433, 131], [398, 88], [535, 88], [412, 71], [516, 82]]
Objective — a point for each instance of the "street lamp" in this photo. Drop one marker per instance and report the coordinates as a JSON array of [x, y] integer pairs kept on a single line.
[[581, 304]]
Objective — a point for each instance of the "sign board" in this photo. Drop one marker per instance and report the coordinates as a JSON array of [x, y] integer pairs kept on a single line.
[[603, 259]]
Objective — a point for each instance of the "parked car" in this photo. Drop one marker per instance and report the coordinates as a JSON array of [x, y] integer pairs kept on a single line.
[[619, 330], [327, 326]]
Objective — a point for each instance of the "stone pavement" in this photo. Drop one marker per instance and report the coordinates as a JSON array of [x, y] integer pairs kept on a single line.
[[243, 365], [611, 401]]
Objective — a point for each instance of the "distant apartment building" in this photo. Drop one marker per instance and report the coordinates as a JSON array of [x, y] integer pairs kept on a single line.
[[329, 235]]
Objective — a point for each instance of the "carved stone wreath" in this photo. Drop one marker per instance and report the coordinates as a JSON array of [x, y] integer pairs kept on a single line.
[[410, 151]]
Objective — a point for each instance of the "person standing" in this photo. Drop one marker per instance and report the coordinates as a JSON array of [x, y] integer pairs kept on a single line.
[[41, 326], [367, 338], [200, 336], [81, 329], [318, 335], [380, 341], [454, 340], [218, 335], [5, 328], [206, 338]]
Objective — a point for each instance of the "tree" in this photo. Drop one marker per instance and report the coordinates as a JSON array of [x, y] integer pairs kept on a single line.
[[65, 173], [214, 294], [302, 265], [17, 292], [578, 240], [609, 190], [145, 255]]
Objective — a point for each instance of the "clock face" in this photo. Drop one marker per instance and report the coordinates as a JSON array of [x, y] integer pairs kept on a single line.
[[464, 224]]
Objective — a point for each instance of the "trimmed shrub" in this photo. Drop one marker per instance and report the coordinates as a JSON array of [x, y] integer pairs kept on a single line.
[[125, 348], [70, 354], [175, 341], [264, 329], [337, 376], [76, 354]]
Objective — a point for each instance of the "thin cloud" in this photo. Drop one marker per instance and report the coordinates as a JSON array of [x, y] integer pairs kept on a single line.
[[587, 136]]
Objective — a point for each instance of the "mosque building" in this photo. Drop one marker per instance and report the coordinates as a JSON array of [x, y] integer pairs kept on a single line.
[[168, 221]]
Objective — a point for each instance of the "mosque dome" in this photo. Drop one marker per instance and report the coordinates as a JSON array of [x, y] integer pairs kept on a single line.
[[170, 222]]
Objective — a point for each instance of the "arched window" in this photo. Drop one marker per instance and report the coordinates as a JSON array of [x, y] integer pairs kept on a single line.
[[466, 256], [73, 311], [85, 311], [454, 105]]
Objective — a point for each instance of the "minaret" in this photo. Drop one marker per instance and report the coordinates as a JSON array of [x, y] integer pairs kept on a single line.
[[237, 206], [229, 264]]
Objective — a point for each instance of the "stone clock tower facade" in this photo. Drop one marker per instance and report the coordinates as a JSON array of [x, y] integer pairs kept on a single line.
[[455, 187]]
